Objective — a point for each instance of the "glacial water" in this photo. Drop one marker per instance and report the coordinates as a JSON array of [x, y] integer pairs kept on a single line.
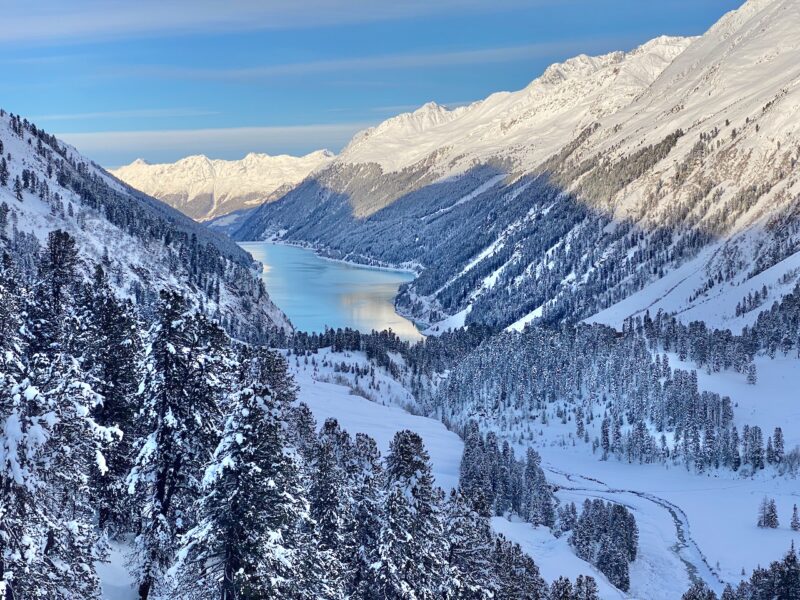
[[315, 292]]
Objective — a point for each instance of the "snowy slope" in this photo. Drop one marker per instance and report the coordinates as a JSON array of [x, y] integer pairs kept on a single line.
[[207, 189], [381, 418], [673, 148], [143, 244], [689, 525]]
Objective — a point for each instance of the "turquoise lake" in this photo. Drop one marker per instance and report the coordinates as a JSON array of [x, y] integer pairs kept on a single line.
[[315, 292]]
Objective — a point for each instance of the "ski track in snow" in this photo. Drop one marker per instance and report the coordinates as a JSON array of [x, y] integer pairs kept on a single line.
[[685, 547]]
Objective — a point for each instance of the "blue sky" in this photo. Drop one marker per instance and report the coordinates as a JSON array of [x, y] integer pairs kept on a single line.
[[161, 79]]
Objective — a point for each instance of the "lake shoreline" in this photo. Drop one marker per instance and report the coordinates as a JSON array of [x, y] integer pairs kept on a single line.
[[379, 265]]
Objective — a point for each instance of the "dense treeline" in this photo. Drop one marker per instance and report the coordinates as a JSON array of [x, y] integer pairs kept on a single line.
[[605, 535], [166, 434], [776, 330], [620, 396], [424, 359], [497, 483]]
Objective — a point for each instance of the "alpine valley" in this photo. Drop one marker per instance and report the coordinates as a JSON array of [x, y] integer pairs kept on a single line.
[[604, 406]]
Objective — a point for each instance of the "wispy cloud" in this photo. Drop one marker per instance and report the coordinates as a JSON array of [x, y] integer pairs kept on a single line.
[[133, 114], [113, 148], [89, 20], [472, 57]]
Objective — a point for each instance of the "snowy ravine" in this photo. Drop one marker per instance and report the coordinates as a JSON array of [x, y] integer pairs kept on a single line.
[[356, 414]]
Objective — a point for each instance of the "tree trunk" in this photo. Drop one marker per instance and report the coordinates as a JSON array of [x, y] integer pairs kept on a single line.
[[144, 589]]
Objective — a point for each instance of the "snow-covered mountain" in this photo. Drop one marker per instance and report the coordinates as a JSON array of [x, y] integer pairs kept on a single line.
[[144, 245], [664, 177], [206, 189]]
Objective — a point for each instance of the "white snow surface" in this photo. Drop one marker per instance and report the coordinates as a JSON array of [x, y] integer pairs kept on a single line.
[[115, 581], [552, 555], [690, 525], [566, 98]]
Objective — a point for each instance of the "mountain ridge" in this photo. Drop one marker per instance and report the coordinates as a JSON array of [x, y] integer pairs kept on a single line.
[[604, 175], [206, 189]]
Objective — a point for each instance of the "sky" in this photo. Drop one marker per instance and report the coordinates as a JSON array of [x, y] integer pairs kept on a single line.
[[163, 79]]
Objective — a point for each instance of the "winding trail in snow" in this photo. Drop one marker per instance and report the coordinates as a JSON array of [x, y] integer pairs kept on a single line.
[[685, 547]]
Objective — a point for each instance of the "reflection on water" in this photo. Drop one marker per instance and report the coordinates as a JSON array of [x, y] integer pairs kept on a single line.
[[316, 293]]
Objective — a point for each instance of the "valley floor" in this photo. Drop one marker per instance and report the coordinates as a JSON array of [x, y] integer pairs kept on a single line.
[[690, 525]]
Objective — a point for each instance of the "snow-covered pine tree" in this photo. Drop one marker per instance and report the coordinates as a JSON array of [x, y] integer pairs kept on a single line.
[[778, 445], [699, 591], [303, 431], [517, 575], [772, 515], [613, 563], [367, 499], [474, 474], [252, 514], [112, 357], [186, 369], [623, 528], [52, 320], [537, 496], [21, 520], [561, 589], [585, 588], [411, 545], [768, 514], [331, 507], [470, 544], [48, 543]]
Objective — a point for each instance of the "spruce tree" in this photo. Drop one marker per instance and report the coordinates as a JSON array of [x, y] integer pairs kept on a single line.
[[517, 574], [367, 490], [48, 543], [411, 545], [470, 545], [250, 519], [586, 588], [185, 372], [613, 564], [561, 589], [699, 591], [331, 507], [112, 324]]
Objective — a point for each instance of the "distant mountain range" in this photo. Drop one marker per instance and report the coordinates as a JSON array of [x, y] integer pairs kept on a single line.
[[661, 178], [206, 189]]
